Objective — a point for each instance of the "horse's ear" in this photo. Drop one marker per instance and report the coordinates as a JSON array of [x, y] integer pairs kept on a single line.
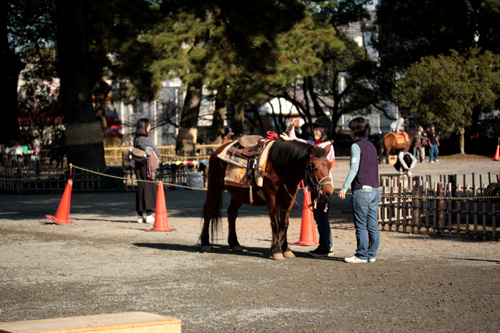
[[312, 152]]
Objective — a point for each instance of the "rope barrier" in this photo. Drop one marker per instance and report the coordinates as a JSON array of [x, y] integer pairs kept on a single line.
[[437, 197], [388, 196], [137, 180]]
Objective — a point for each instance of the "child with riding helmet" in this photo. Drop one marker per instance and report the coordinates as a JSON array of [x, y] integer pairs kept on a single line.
[[322, 129]]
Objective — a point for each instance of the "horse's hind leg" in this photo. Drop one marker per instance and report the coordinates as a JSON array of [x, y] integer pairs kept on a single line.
[[232, 214]]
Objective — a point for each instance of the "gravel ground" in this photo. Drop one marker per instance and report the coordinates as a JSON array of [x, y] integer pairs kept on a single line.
[[104, 263]]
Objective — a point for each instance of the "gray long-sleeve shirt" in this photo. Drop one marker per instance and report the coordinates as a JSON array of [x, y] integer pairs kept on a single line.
[[143, 141]]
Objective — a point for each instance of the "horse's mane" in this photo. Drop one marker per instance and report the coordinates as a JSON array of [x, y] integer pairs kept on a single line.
[[284, 154]]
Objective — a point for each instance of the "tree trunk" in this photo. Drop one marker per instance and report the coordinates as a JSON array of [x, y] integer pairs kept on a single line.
[[101, 92], [188, 131], [237, 118], [83, 131], [217, 129], [11, 66], [462, 140]]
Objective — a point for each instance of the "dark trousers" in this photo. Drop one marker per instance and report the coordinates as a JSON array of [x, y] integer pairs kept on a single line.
[[145, 197]]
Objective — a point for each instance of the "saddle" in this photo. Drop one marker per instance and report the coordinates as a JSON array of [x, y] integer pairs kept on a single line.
[[246, 160], [250, 146]]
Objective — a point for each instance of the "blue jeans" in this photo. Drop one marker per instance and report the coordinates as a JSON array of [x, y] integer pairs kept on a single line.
[[418, 152], [433, 153], [325, 233], [365, 213]]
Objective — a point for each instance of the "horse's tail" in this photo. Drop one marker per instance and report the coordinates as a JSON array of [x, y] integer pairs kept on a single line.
[[216, 217], [381, 150]]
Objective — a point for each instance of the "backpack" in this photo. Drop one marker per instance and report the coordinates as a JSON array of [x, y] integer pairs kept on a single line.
[[137, 155]]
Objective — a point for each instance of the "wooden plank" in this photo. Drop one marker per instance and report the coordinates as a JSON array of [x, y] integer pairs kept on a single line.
[[130, 322], [493, 221], [392, 159]]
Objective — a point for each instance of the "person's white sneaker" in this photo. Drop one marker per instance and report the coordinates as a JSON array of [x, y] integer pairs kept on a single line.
[[141, 219], [355, 260], [150, 219], [372, 259]]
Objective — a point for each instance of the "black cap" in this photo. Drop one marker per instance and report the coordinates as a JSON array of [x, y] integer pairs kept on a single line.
[[324, 122]]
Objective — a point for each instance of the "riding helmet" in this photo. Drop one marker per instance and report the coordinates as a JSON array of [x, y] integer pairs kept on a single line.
[[324, 122]]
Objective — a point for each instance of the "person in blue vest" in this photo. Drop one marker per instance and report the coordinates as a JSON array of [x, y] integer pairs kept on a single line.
[[364, 182]]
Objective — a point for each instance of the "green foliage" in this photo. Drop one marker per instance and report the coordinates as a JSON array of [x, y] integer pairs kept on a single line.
[[445, 90], [411, 29], [316, 55]]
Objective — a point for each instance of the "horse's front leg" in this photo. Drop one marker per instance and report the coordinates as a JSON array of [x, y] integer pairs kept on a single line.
[[276, 250], [232, 214], [283, 236]]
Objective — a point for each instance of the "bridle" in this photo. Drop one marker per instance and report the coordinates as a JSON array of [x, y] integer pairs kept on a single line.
[[316, 184]]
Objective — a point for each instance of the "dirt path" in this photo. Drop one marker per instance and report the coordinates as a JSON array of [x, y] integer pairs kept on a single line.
[[104, 264]]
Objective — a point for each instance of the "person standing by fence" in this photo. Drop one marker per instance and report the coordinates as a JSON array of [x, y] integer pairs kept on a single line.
[[421, 141], [146, 191], [433, 145], [364, 182]]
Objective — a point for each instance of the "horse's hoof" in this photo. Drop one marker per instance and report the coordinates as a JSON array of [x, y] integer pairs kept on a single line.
[[205, 248], [289, 254], [278, 256], [237, 248]]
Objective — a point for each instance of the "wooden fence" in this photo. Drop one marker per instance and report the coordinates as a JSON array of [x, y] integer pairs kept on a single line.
[[40, 177], [49, 180], [453, 206], [114, 156], [117, 156]]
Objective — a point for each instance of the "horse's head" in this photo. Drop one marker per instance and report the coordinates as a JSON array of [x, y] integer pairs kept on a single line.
[[318, 174]]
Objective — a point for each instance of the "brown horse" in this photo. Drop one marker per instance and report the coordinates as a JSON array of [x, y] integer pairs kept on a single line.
[[288, 163], [394, 141]]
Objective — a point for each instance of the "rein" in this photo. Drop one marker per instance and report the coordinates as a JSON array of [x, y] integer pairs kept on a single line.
[[315, 181], [317, 184]]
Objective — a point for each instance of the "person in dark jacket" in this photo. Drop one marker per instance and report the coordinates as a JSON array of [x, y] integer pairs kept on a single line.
[[363, 179], [146, 191], [433, 145]]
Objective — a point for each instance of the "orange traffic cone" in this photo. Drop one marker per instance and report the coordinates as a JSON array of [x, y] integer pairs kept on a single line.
[[307, 229], [497, 154], [161, 219], [62, 214]]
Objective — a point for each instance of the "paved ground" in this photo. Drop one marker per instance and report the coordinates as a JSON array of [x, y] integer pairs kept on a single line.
[[106, 264]]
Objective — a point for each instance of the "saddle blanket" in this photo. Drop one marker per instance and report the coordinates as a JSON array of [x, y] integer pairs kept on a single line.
[[400, 138], [236, 170]]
